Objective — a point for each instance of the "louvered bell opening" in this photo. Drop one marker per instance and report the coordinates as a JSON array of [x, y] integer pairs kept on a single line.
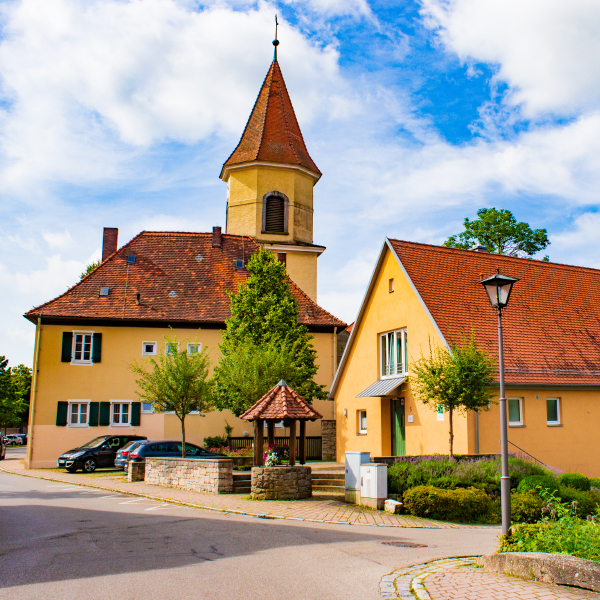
[[275, 214]]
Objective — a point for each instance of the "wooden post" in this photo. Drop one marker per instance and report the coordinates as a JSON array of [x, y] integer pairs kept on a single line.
[[271, 432], [302, 453], [258, 442], [292, 450]]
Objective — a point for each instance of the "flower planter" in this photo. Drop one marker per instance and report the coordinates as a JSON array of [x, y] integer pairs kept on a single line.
[[241, 461], [281, 483]]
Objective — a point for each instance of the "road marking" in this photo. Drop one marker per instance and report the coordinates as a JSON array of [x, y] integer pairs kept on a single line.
[[111, 496], [132, 501], [162, 507]]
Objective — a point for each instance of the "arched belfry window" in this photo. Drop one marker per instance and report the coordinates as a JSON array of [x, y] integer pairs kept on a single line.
[[275, 213]]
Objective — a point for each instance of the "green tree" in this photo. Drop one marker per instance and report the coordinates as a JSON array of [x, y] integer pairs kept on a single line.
[[459, 379], [264, 322], [500, 233], [89, 268], [15, 389], [176, 381]]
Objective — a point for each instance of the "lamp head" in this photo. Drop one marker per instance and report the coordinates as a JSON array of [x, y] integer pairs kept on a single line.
[[498, 288]]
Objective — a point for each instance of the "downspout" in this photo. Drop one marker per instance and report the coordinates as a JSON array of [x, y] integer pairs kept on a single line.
[[476, 432], [36, 354], [334, 364]]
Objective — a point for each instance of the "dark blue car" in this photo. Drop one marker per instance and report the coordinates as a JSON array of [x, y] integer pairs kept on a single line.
[[171, 449]]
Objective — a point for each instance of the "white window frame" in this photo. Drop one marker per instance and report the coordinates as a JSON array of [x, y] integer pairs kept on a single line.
[[146, 411], [515, 423], [168, 345], [553, 423], [74, 361], [197, 345], [153, 353], [78, 425], [112, 413], [385, 375], [362, 430]]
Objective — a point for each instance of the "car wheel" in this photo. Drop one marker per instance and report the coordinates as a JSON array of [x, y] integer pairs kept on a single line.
[[89, 465], [72, 469]]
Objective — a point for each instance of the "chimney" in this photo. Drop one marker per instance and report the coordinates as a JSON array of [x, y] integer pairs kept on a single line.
[[479, 249], [217, 239], [109, 242]]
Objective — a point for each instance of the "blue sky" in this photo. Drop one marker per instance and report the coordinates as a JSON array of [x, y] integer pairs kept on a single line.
[[120, 113]]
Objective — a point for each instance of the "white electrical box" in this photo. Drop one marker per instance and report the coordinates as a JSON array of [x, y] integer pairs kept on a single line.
[[373, 484], [353, 462]]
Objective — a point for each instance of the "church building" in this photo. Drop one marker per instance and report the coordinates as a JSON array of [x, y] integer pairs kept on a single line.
[[122, 311]]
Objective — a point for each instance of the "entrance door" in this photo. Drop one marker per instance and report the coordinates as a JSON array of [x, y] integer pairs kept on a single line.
[[398, 431]]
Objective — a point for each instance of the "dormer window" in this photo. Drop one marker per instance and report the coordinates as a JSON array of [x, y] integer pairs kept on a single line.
[[275, 213]]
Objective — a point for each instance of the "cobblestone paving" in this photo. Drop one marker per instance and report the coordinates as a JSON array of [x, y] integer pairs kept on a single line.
[[320, 508], [460, 579]]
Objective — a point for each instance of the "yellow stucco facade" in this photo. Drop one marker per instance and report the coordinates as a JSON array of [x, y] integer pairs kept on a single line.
[[247, 188], [112, 380], [571, 445]]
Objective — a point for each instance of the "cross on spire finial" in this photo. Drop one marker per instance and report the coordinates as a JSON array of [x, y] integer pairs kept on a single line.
[[275, 41]]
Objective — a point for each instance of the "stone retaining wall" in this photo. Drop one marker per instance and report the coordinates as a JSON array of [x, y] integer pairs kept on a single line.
[[281, 483], [210, 476], [328, 440], [136, 471]]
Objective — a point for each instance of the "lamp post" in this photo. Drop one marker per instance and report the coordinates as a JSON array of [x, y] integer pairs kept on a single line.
[[498, 288]]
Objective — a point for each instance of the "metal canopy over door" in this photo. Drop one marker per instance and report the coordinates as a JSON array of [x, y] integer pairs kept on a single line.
[[398, 430]]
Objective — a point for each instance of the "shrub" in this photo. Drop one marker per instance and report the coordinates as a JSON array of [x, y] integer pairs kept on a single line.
[[461, 506], [526, 507], [595, 482], [575, 480], [586, 501], [537, 483], [217, 441]]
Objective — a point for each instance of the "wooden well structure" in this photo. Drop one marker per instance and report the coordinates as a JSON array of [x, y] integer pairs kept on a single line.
[[280, 403]]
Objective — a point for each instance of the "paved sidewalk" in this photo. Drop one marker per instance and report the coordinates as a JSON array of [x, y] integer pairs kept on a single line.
[[321, 508], [461, 579]]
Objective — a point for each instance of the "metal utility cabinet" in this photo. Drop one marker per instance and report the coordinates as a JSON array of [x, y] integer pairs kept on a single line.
[[373, 485], [353, 462]]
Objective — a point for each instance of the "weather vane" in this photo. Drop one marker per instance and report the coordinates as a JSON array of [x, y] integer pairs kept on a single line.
[[275, 41]]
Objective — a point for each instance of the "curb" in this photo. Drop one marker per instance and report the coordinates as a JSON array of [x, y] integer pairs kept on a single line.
[[407, 583]]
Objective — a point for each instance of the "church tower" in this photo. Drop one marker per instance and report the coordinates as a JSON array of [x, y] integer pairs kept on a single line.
[[270, 178]]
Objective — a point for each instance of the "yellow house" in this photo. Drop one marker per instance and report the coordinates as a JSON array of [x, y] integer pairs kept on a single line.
[[422, 296], [86, 338]]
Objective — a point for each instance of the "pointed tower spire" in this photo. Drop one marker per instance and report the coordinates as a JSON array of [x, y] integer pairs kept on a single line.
[[272, 134]]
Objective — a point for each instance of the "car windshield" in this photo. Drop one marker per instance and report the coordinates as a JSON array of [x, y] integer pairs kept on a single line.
[[130, 445], [95, 442]]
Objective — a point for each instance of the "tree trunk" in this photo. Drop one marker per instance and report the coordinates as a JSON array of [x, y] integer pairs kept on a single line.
[[451, 434], [182, 436]]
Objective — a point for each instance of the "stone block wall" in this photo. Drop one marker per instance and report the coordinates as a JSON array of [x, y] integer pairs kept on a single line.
[[136, 471], [328, 440], [281, 483], [209, 476]]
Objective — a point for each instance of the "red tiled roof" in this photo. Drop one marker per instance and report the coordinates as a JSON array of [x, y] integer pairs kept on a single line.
[[272, 133], [180, 277], [281, 402], [551, 324]]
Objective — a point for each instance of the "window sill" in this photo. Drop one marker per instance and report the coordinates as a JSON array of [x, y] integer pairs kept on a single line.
[[516, 425], [362, 433], [120, 424], [275, 232], [80, 363], [78, 426], [554, 424]]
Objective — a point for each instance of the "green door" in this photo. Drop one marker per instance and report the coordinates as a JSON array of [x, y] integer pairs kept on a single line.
[[398, 431]]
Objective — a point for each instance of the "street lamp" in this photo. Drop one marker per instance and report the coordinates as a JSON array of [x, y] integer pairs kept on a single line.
[[498, 288]]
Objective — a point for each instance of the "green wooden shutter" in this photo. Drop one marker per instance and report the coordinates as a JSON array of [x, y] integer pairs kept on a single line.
[[97, 348], [136, 409], [62, 410], [104, 413], [94, 409], [67, 347]]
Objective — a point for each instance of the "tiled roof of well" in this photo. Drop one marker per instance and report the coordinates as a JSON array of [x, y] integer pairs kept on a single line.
[[281, 402], [179, 276], [552, 322], [272, 133]]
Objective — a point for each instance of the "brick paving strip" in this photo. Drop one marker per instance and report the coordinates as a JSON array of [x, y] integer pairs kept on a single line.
[[461, 579], [322, 509]]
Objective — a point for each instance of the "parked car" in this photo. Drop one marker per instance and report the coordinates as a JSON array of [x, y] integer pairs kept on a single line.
[[122, 457], [99, 452], [23, 437], [2, 448], [12, 439], [156, 449]]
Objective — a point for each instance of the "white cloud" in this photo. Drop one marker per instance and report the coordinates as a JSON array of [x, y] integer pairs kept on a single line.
[[90, 85], [57, 239], [546, 50], [579, 245]]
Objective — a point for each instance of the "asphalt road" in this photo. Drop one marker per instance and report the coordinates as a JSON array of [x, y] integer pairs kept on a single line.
[[60, 541]]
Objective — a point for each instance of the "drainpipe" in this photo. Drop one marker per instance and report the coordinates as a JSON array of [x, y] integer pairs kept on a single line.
[[36, 354], [334, 361], [476, 432]]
